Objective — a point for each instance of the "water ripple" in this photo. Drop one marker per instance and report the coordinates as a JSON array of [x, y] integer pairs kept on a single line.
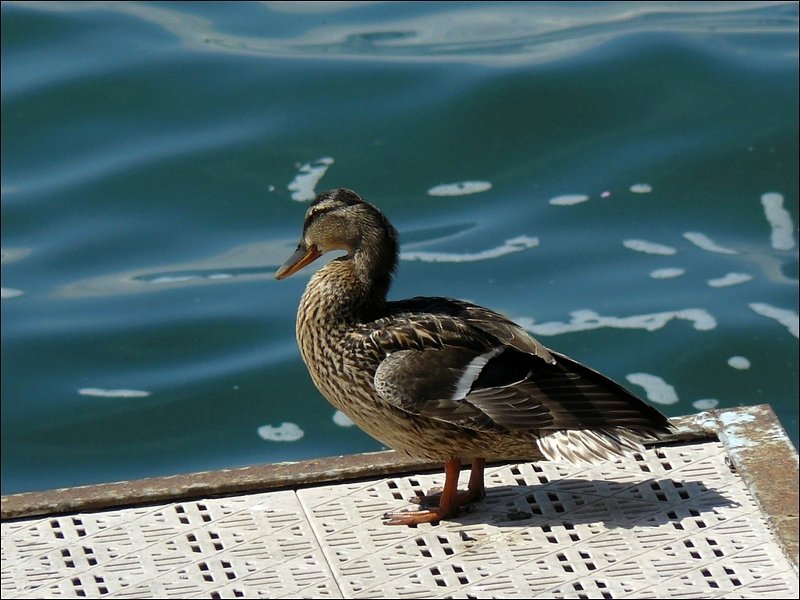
[[101, 164], [475, 32]]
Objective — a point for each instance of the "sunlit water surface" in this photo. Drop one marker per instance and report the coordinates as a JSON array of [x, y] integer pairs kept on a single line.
[[621, 179]]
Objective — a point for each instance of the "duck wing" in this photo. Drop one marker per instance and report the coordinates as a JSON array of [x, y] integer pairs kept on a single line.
[[472, 367], [500, 328]]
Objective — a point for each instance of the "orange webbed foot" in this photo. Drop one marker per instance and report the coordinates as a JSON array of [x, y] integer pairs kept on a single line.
[[441, 504], [413, 517]]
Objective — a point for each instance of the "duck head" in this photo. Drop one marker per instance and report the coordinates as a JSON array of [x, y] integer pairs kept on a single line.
[[340, 219]]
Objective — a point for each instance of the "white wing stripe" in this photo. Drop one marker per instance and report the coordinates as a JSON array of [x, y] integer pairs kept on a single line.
[[471, 373]]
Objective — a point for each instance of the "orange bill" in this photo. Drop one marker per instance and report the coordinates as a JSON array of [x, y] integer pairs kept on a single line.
[[301, 257]]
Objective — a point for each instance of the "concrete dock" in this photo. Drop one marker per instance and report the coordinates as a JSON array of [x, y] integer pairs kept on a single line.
[[710, 513]]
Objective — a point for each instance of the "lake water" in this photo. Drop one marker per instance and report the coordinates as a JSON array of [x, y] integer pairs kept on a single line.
[[619, 178]]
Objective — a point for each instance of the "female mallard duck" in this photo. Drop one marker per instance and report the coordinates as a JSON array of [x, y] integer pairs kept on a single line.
[[442, 379]]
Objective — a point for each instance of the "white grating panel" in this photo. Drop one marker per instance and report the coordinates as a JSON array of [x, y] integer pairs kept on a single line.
[[674, 522], [258, 545]]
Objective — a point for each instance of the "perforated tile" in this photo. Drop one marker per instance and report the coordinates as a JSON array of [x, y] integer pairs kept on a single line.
[[674, 522], [258, 545]]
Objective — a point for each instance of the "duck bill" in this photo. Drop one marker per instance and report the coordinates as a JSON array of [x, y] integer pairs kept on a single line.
[[301, 257]]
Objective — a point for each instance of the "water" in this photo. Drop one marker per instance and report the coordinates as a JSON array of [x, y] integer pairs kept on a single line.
[[619, 178]]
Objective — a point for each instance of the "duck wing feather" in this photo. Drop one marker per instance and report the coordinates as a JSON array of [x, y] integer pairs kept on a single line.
[[464, 364]]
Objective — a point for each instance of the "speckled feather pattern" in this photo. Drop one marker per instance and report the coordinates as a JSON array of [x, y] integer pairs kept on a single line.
[[343, 354], [437, 378], [342, 363]]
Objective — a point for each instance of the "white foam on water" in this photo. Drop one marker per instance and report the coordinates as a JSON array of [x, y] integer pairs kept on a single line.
[[586, 320], [516, 244], [305, 182], [173, 278], [667, 273], [649, 247], [657, 390], [341, 419], [285, 432], [782, 237], [730, 279], [9, 255], [568, 199], [118, 393], [785, 317], [460, 188], [6, 293], [705, 403], [641, 188], [739, 362], [702, 241]]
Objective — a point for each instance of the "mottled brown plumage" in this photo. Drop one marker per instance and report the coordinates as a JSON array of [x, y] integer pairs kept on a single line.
[[439, 378]]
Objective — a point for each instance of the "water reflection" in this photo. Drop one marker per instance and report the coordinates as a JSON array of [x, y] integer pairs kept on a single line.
[[520, 33]]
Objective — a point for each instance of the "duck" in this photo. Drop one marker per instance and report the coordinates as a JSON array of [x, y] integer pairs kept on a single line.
[[442, 379]]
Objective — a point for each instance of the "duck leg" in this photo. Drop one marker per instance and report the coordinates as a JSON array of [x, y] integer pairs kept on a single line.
[[450, 500], [475, 488], [447, 501]]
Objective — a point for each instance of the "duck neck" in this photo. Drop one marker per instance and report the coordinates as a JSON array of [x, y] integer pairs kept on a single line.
[[351, 289], [374, 263]]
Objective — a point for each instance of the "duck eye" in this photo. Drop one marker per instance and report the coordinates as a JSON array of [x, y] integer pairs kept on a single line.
[[317, 210]]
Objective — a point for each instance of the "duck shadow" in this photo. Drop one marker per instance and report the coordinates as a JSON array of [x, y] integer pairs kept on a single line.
[[647, 503]]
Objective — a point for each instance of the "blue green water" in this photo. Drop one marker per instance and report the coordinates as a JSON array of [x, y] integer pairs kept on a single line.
[[620, 178]]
